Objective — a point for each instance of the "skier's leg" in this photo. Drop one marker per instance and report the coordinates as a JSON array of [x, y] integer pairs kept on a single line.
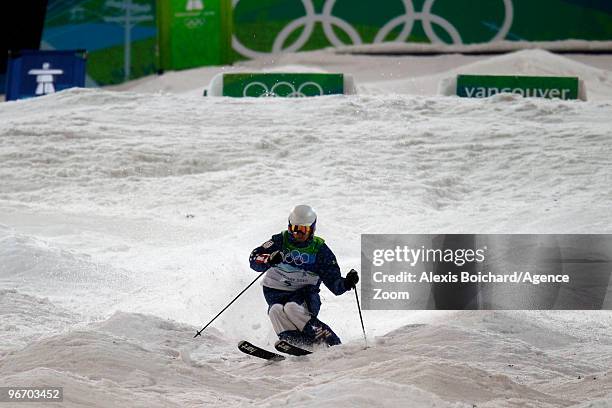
[[280, 320], [298, 314]]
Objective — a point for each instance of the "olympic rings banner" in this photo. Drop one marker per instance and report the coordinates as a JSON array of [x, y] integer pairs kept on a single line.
[[272, 26], [289, 85]]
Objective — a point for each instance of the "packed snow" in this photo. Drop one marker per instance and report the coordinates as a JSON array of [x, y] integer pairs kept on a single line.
[[127, 216]]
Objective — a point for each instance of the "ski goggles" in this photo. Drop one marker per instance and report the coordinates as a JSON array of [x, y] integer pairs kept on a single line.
[[300, 229]]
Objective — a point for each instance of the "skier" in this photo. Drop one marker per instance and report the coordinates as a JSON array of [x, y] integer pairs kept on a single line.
[[295, 262]]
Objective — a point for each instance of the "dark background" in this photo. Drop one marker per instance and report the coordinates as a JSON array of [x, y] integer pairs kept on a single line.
[[22, 26]]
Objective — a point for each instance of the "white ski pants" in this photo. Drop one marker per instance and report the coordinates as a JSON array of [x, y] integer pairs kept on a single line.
[[290, 316]]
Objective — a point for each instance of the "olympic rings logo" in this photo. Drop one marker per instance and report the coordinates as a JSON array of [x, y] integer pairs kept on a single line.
[[283, 88], [194, 23], [328, 20], [298, 258]]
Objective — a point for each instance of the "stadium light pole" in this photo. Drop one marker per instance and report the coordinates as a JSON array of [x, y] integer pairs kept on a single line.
[[129, 20]]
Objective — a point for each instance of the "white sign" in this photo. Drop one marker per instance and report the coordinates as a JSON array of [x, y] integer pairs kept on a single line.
[[44, 78]]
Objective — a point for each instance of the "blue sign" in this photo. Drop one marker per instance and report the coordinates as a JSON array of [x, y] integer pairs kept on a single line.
[[33, 73]]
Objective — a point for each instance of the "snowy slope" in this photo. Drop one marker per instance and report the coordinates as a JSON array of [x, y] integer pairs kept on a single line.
[[126, 220], [487, 359], [528, 62], [413, 75]]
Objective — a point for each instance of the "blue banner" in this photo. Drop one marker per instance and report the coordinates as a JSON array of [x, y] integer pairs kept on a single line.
[[34, 73]]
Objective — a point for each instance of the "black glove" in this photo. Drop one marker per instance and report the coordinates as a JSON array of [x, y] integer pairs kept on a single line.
[[275, 258], [351, 279]]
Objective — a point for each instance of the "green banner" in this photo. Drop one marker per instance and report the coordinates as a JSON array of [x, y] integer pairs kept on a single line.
[[290, 85], [483, 86], [194, 33], [271, 26]]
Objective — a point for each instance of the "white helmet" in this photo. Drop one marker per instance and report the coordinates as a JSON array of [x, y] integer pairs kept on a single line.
[[303, 215]]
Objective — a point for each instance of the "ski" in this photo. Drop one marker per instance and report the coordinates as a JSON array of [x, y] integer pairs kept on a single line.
[[255, 351], [289, 348]]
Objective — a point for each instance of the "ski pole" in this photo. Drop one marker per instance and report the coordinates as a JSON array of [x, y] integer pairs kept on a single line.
[[365, 339], [230, 303]]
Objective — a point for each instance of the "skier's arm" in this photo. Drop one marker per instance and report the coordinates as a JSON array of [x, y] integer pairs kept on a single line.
[[259, 256], [329, 271]]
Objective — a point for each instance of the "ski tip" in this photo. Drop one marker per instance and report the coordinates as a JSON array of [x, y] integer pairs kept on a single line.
[[256, 351]]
